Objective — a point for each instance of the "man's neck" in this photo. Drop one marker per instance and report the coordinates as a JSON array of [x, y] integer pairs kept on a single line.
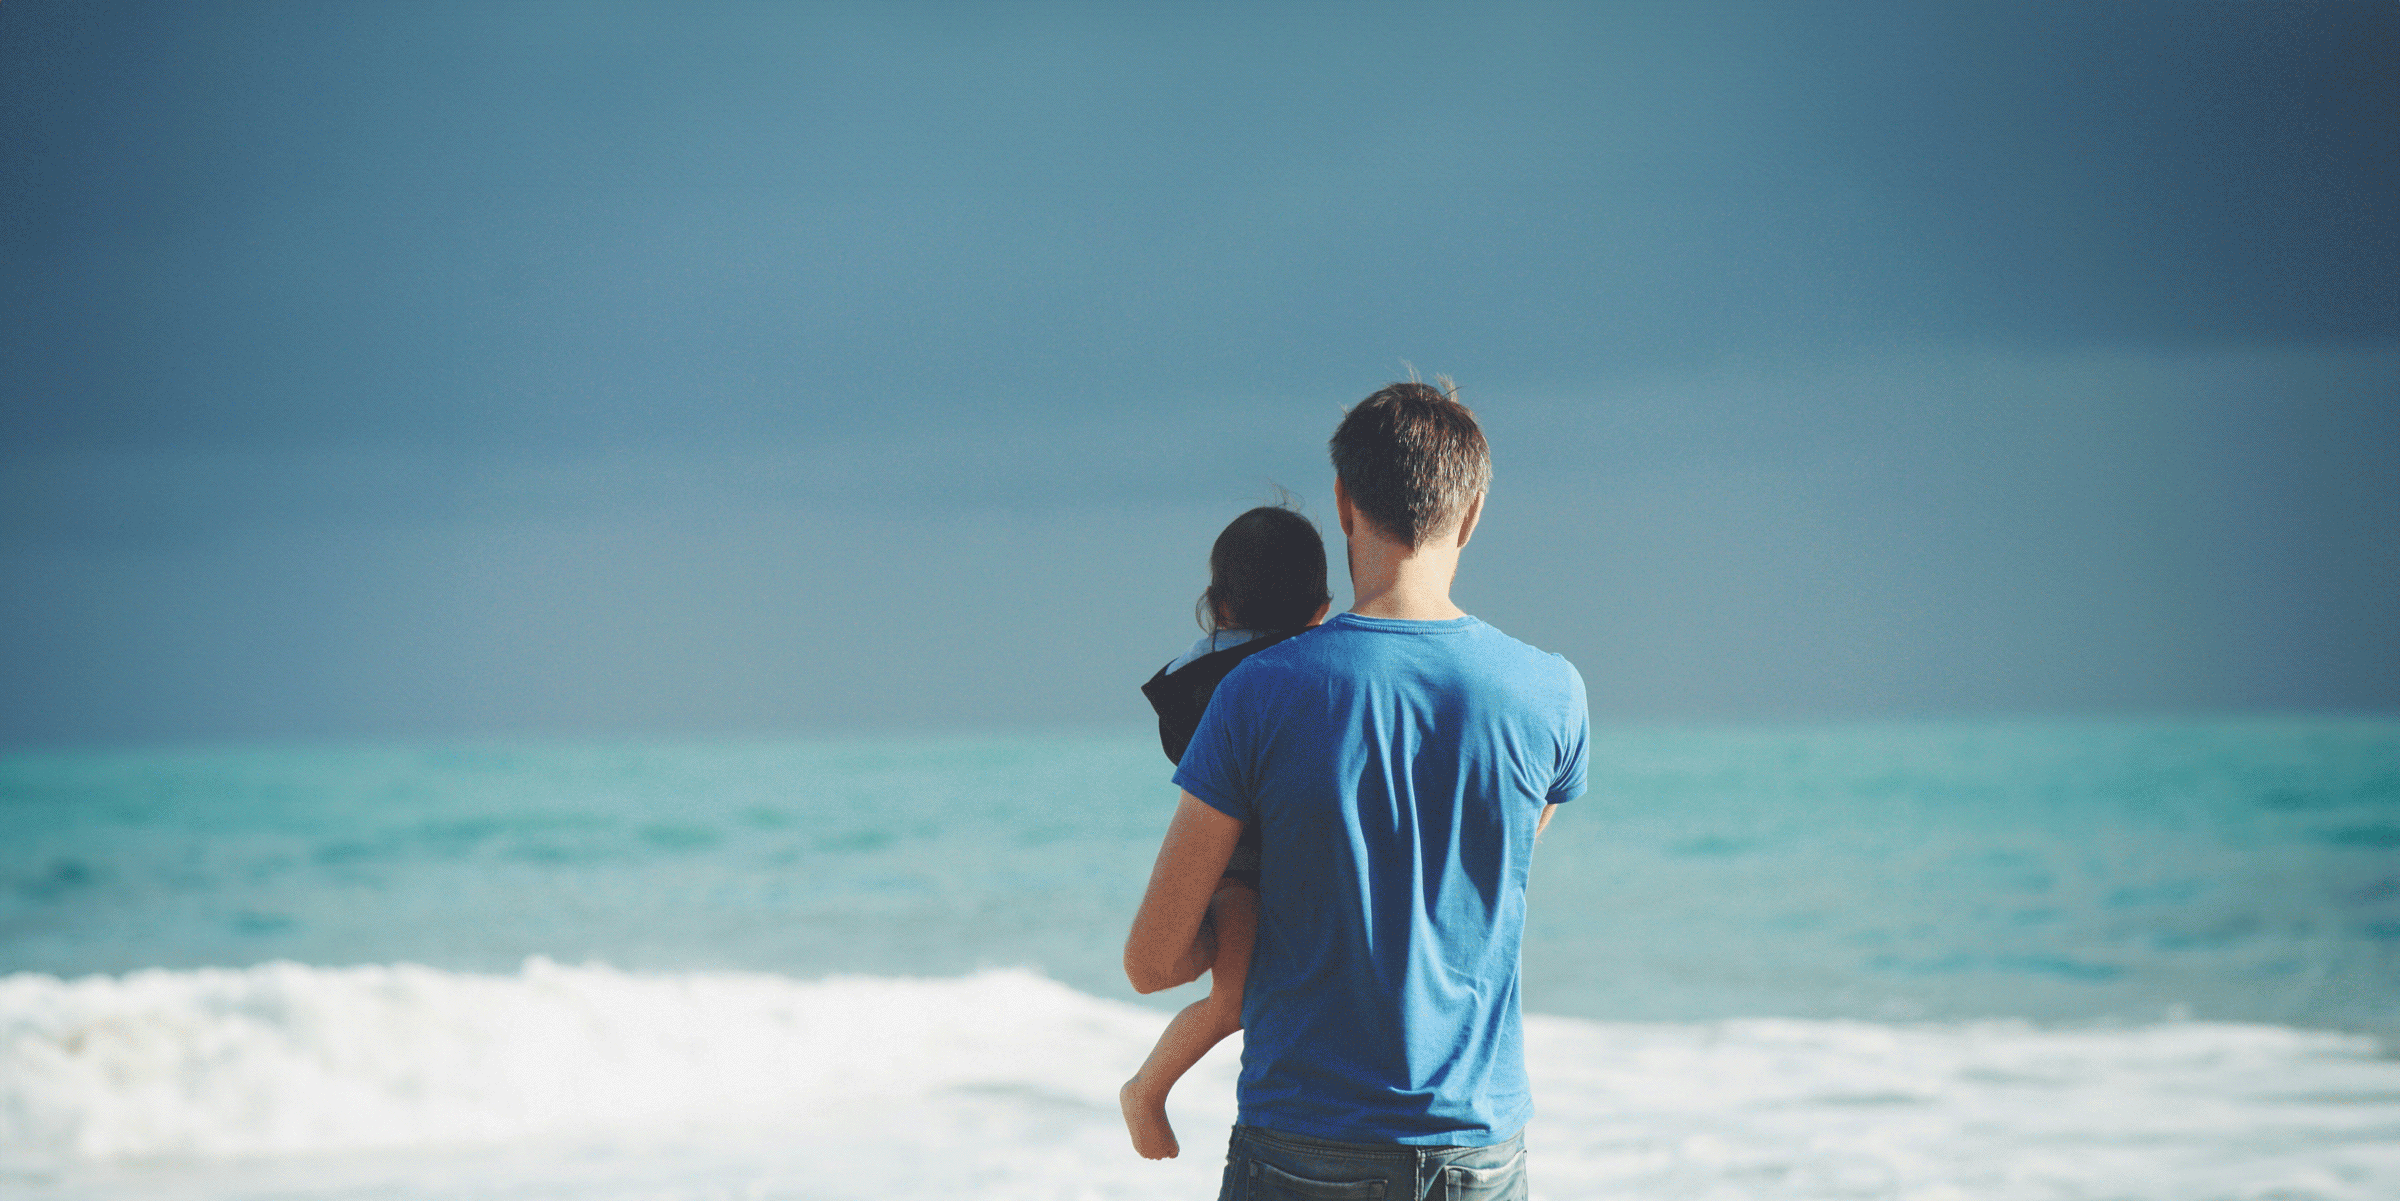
[[1389, 580], [1407, 583]]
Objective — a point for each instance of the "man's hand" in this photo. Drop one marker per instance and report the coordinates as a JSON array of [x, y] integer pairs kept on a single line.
[[1199, 957], [1168, 945]]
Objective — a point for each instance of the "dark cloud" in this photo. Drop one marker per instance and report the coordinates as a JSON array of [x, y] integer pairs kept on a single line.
[[1857, 358], [455, 223]]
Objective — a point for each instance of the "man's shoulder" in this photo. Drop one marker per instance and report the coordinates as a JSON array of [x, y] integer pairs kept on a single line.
[[1523, 660], [1493, 635]]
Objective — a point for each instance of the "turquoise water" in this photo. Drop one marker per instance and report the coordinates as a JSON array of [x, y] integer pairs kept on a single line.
[[2014, 962], [2058, 871]]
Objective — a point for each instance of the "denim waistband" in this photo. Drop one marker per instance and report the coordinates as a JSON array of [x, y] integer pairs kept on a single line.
[[1412, 1151], [1262, 1163]]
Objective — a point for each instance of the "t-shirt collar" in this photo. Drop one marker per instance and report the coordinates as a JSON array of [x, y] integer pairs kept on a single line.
[[1401, 625]]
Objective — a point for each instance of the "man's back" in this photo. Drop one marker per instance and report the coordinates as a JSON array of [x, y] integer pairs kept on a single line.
[[1397, 771]]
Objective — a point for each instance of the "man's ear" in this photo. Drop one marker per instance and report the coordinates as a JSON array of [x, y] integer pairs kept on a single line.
[[1341, 505], [1466, 524]]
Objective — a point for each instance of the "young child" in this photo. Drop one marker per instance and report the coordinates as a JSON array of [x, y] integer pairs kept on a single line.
[[1266, 583]]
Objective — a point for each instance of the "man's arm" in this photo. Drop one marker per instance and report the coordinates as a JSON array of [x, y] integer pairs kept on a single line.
[[1543, 824], [1162, 951]]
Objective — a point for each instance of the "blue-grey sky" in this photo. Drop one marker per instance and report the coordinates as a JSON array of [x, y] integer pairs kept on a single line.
[[427, 370]]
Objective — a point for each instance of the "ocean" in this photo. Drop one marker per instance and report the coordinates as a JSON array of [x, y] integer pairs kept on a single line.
[[1974, 960]]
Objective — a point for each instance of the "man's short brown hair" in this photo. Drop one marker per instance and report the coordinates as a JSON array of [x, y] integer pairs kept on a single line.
[[1411, 459]]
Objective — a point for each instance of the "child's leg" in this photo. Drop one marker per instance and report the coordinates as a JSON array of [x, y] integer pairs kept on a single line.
[[1202, 1024]]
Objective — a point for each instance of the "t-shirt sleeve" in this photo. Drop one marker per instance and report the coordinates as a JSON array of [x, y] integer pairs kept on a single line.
[[1574, 739], [1216, 764]]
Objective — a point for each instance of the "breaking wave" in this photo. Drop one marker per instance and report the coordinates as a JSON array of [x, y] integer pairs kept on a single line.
[[1003, 1083]]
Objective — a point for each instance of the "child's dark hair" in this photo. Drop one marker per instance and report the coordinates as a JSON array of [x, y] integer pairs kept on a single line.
[[1266, 572]]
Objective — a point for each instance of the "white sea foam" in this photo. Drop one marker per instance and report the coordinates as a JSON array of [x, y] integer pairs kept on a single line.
[[284, 1058], [1750, 1109], [590, 1082]]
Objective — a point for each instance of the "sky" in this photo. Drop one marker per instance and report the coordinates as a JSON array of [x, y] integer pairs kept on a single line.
[[382, 372]]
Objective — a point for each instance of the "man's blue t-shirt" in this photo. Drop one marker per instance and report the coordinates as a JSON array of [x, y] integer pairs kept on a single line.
[[1396, 770]]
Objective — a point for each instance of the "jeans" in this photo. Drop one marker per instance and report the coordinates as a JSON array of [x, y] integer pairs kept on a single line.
[[1269, 1165]]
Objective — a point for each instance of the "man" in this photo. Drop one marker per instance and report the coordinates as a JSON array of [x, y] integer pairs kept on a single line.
[[1399, 760]]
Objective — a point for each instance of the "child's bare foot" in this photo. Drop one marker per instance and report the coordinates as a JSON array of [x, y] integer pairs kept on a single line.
[[1146, 1121]]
